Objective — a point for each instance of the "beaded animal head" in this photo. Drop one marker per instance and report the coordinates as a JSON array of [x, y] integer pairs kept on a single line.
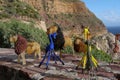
[[13, 38], [52, 29]]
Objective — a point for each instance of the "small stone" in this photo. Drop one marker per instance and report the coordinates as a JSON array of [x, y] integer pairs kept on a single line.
[[35, 65], [69, 69], [7, 63], [29, 60], [31, 66], [107, 69], [52, 68], [37, 76], [116, 72], [103, 78], [103, 63], [72, 75]]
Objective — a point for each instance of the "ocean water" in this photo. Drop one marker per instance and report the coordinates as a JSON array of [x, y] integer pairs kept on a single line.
[[114, 30]]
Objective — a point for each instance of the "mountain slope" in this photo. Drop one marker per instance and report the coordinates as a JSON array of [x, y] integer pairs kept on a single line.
[[66, 13]]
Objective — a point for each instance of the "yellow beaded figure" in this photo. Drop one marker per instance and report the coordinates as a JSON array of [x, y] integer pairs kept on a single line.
[[87, 61], [86, 33]]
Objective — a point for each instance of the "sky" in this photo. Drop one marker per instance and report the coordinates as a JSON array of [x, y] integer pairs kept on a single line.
[[106, 10]]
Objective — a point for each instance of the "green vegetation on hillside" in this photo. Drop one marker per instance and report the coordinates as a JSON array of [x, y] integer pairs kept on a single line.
[[98, 54], [27, 30], [17, 8], [101, 55], [67, 50]]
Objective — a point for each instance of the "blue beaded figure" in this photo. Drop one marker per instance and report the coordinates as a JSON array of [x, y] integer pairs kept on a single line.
[[50, 51]]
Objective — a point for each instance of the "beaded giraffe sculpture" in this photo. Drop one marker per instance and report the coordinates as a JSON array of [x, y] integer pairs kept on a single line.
[[50, 51]]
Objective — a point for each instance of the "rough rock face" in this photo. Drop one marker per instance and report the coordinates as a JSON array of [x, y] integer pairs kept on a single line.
[[11, 70], [67, 13], [105, 42]]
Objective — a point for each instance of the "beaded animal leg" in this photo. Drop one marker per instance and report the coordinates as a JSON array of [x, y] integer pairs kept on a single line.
[[94, 61], [55, 58], [60, 54], [19, 58], [23, 58], [39, 53], [73, 50], [82, 62], [48, 59], [59, 59], [43, 59], [35, 55]]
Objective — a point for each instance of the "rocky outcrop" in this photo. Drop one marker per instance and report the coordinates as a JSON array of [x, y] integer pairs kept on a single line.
[[105, 42], [7, 73], [11, 70], [68, 13]]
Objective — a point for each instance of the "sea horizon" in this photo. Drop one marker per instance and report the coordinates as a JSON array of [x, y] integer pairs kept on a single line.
[[114, 29]]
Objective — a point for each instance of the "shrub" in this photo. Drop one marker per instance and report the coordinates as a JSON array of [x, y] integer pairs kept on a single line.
[[101, 55], [18, 8], [67, 50], [26, 30]]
